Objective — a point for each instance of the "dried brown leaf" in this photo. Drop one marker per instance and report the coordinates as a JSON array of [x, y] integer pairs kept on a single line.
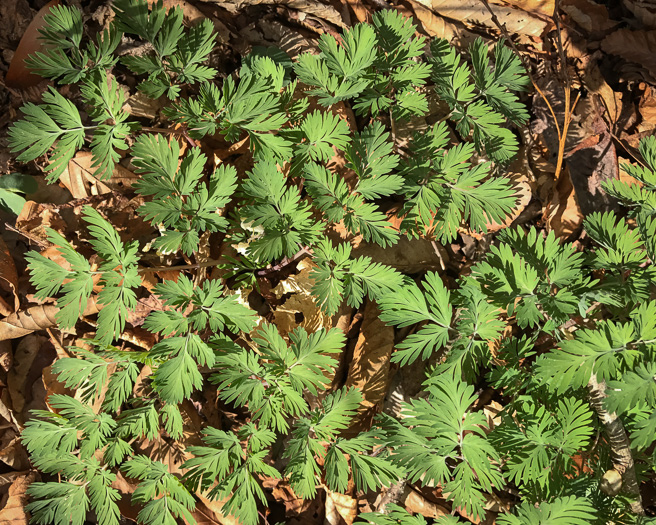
[[300, 309], [634, 46], [369, 369], [19, 76], [591, 16], [433, 24], [13, 513], [78, 177], [341, 509], [474, 12], [36, 318], [644, 11], [20, 377], [12, 452], [566, 217], [416, 503], [544, 8], [8, 278]]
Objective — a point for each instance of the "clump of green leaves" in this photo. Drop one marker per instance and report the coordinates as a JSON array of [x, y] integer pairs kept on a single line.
[[506, 325]]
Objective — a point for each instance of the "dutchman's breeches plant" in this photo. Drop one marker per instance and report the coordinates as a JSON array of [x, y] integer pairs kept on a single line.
[[589, 392]]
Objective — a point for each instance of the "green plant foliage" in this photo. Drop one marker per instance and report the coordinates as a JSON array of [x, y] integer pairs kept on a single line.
[[439, 440], [532, 321], [535, 278]]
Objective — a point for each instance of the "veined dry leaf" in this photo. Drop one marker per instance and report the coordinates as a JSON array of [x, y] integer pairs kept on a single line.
[[13, 513], [36, 318], [340, 508], [612, 100], [8, 279], [634, 46], [474, 12], [19, 76], [406, 255], [209, 512]]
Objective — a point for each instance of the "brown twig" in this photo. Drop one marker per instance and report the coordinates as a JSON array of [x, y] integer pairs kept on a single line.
[[298, 256]]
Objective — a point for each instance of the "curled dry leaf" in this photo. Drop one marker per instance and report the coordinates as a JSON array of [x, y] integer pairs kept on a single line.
[[36, 318], [13, 513], [19, 76]]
